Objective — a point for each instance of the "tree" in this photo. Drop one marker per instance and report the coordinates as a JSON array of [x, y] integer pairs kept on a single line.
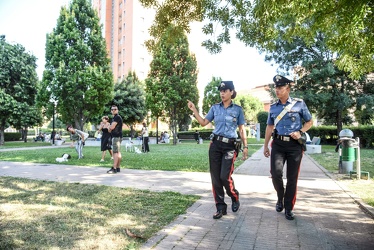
[[348, 25], [329, 92], [77, 77], [251, 107], [171, 81], [211, 94], [129, 97], [18, 81], [365, 104]]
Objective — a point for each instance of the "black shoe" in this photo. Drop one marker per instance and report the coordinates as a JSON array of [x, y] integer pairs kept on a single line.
[[219, 214], [118, 170], [235, 206], [112, 171], [279, 206], [289, 214]]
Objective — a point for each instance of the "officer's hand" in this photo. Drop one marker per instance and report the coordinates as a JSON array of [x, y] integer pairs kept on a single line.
[[191, 105], [296, 135], [266, 152], [245, 154]]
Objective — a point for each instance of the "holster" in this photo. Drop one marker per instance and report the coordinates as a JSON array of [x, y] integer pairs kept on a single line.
[[238, 146], [302, 141]]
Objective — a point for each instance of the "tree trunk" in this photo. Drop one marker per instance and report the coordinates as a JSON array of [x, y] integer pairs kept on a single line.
[[2, 128], [339, 123], [24, 134]]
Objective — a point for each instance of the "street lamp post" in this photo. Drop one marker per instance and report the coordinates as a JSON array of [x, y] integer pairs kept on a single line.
[[53, 125]]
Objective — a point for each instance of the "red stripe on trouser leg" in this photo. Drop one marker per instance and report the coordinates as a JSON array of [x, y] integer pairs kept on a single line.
[[231, 181], [298, 172]]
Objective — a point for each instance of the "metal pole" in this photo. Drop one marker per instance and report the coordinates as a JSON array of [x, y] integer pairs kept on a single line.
[[358, 161]]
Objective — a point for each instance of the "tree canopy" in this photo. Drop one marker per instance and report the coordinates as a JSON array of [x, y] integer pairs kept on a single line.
[[171, 81], [329, 92], [251, 107], [211, 94], [129, 97], [18, 88], [77, 77], [347, 25]]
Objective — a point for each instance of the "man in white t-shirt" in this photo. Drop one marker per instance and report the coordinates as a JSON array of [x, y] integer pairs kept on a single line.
[[145, 136]]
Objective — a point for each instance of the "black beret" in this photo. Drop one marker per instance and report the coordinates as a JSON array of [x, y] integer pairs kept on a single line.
[[281, 80], [226, 85]]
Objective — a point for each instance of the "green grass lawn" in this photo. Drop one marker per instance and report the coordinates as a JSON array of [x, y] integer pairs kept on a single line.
[[329, 159], [186, 156]]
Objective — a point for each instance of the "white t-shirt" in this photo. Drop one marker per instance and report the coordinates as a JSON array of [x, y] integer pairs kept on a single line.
[[145, 132]]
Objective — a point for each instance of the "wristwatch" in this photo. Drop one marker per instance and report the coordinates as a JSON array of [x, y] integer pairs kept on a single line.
[[301, 132], [245, 147]]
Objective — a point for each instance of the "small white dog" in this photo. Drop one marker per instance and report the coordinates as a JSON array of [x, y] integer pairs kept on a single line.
[[64, 157], [137, 150]]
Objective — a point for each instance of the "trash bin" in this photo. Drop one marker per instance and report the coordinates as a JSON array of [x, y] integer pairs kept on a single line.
[[347, 151]]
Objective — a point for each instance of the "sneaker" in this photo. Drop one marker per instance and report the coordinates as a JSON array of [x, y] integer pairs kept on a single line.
[[118, 170], [112, 171], [101, 160]]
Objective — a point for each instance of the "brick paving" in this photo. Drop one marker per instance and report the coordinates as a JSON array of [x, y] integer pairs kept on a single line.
[[328, 216]]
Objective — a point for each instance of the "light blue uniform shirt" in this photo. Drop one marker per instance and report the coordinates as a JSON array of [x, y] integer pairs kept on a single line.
[[226, 120], [292, 120]]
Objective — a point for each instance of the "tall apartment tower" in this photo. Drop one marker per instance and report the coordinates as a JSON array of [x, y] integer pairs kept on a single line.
[[125, 28]]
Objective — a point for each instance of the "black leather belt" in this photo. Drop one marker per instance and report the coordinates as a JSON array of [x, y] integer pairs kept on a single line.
[[223, 139], [283, 137]]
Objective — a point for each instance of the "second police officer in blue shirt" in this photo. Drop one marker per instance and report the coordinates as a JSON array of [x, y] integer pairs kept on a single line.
[[227, 117], [288, 119]]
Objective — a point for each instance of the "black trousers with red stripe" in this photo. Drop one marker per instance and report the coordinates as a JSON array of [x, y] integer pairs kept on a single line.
[[290, 152], [221, 160]]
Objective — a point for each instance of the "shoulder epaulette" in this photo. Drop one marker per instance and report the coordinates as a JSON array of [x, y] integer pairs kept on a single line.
[[298, 99]]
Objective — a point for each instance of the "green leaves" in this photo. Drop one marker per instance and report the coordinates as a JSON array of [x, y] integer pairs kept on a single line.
[[172, 80], [347, 25], [18, 86], [78, 75]]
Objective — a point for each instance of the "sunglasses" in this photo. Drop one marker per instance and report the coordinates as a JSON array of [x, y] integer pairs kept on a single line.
[[113, 109]]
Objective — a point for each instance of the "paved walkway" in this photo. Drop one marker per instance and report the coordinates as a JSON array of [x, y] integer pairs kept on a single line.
[[327, 215]]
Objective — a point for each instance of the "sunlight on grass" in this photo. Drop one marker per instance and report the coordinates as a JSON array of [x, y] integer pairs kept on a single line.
[[54, 215]]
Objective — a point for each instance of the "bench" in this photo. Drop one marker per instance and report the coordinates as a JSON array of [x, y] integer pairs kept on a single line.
[[314, 147]]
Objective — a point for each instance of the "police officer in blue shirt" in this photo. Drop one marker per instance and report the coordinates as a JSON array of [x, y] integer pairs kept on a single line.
[[289, 118], [227, 117]]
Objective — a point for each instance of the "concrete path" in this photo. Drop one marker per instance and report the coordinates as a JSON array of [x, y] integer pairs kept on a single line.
[[328, 216]]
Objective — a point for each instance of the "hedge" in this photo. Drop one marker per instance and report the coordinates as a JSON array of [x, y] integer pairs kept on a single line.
[[14, 136], [329, 134]]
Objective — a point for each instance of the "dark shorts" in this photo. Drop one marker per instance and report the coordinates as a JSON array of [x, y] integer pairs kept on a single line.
[[116, 144]]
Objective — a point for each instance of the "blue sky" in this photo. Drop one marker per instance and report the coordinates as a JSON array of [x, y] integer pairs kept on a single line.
[[28, 21]]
